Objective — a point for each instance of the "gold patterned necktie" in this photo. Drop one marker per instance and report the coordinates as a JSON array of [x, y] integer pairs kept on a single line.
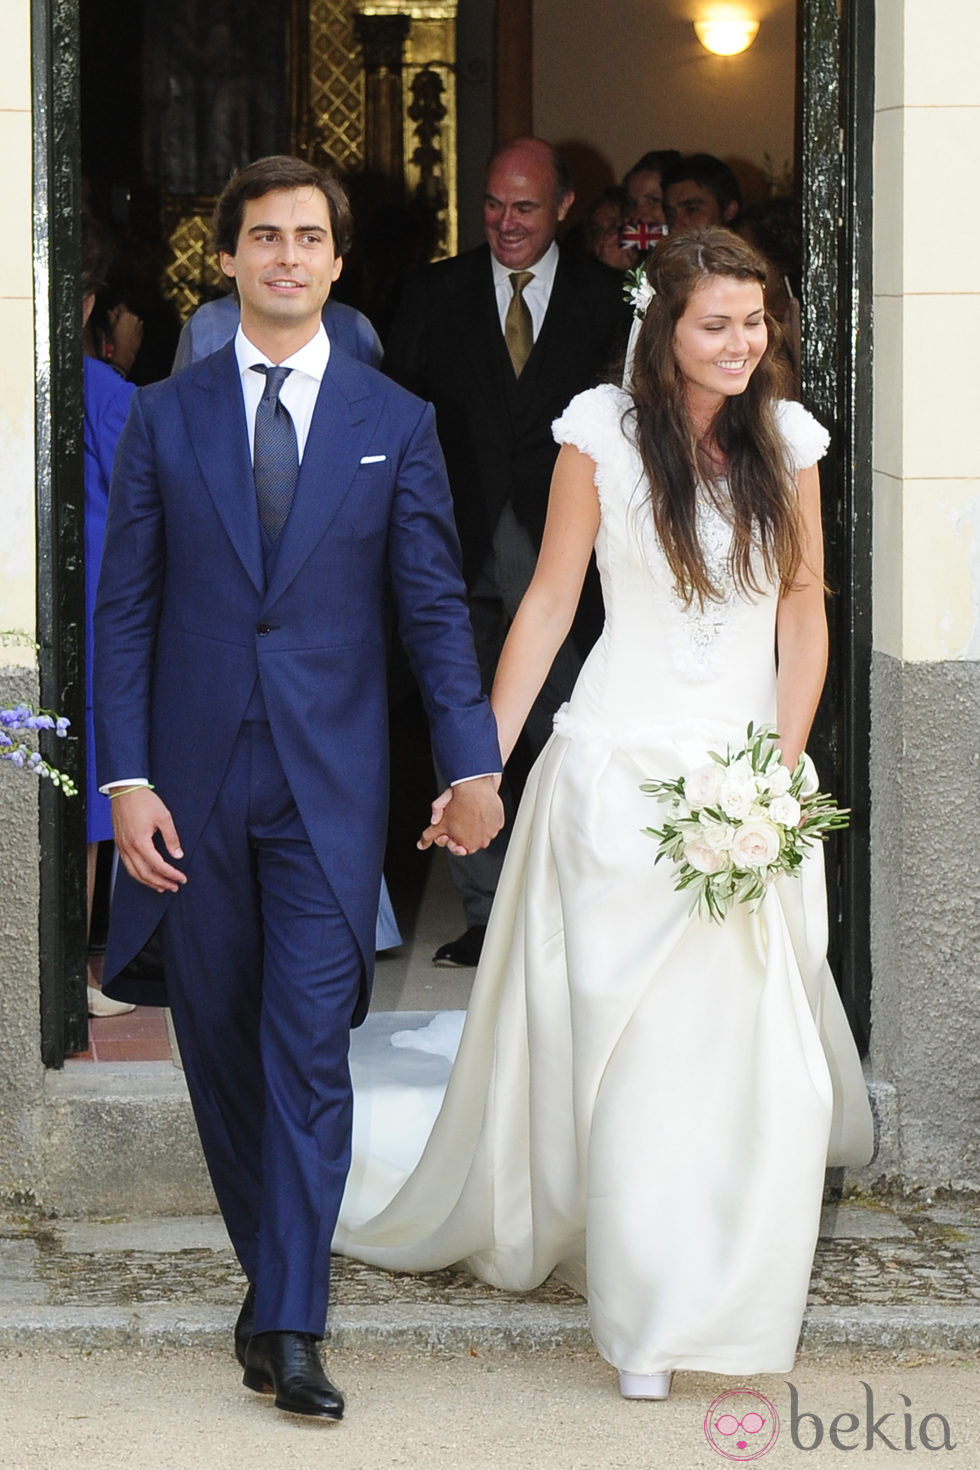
[[518, 328]]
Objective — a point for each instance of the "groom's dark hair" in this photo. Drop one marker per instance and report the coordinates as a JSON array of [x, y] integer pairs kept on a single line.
[[278, 171]]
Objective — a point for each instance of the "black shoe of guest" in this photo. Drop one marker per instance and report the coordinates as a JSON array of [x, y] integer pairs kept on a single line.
[[289, 1364], [243, 1327], [464, 952]]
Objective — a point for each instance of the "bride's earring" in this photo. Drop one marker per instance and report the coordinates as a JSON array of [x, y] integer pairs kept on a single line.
[[644, 1385]]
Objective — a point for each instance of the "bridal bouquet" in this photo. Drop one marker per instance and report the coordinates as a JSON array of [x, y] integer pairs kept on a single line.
[[737, 823]]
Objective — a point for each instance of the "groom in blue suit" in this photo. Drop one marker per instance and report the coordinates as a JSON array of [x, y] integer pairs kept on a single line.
[[261, 522]]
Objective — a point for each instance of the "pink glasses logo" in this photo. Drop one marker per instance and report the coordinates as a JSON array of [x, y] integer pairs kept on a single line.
[[741, 1424]]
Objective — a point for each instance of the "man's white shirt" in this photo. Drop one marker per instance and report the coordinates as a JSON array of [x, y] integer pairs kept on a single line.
[[537, 293], [298, 393]]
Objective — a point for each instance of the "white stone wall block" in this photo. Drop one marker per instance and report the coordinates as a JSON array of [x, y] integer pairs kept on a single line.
[[17, 544], [941, 39], [941, 592], [888, 565], [889, 202], [941, 209], [941, 396], [15, 56], [889, 389]]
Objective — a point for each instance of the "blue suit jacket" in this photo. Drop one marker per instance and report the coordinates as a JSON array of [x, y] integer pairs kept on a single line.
[[185, 624], [216, 322]]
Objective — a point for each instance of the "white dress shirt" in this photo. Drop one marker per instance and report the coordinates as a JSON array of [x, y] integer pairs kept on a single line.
[[537, 293], [299, 391]]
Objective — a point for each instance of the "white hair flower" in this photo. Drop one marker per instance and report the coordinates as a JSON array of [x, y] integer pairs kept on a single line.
[[638, 291]]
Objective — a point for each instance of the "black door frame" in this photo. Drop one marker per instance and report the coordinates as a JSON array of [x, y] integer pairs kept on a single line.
[[59, 511], [836, 183], [837, 121]]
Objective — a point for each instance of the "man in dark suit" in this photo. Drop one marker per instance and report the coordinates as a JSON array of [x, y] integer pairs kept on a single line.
[[500, 339], [265, 503]]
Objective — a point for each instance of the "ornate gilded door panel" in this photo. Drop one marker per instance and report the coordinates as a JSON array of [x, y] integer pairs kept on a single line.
[[370, 89], [374, 91], [215, 94]]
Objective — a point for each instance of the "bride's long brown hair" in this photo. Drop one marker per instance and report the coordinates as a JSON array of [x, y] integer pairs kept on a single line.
[[742, 442]]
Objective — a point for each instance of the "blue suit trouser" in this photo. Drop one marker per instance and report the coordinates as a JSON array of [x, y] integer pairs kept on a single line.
[[263, 975]]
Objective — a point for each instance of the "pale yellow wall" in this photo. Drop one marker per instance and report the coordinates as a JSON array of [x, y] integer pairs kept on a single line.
[[625, 77], [927, 325], [17, 578]]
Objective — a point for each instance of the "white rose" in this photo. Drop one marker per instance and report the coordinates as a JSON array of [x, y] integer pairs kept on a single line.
[[718, 835], [755, 845], [777, 781], [785, 810], [703, 857], [737, 793], [701, 787]]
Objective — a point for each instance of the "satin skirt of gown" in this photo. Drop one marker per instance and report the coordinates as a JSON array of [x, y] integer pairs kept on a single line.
[[642, 1102]]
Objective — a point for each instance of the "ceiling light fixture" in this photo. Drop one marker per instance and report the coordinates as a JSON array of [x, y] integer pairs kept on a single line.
[[726, 37]]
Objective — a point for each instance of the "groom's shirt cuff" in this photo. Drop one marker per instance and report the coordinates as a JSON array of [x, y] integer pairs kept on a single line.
[[463, 779], [111, 785]]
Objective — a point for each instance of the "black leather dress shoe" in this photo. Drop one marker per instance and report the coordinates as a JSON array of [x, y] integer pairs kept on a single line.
[[464, 952], [243, 1327], [289, 1364]]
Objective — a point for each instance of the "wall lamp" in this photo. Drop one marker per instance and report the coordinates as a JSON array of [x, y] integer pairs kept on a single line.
[[726, 36]]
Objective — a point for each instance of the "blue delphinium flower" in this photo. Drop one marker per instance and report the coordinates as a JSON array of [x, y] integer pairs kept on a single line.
[[21, 720]]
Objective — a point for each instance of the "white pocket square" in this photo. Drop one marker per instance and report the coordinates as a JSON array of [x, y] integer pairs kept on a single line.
[[374, 459]]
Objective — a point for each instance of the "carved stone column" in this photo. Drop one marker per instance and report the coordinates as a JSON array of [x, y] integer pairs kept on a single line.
[[382, 39], [427, 112]]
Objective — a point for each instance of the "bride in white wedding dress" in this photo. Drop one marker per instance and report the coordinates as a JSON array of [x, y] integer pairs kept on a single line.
[[643, 1101]]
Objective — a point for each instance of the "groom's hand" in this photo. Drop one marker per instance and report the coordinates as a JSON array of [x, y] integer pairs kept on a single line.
[[137, 816], [465, 818]]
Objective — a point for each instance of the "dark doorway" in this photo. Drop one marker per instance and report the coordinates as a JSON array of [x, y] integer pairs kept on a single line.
[[172, 99], [131, 171]]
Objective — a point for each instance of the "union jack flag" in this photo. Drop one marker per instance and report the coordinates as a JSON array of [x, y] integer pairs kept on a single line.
[[638, 233]]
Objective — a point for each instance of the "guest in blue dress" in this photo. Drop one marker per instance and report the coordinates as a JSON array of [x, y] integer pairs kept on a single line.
[[106, 396]]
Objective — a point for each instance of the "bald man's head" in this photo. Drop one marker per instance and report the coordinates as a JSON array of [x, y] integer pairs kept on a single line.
[[527, 195]]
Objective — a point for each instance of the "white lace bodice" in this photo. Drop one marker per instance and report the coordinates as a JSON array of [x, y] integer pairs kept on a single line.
[[658, 662]]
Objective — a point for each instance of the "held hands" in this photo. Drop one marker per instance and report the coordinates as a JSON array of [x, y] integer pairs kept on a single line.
[[137, 815], [465, 817]]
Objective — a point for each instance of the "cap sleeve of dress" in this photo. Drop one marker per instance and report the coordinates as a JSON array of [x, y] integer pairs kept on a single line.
[[593, 423], [805, 438]]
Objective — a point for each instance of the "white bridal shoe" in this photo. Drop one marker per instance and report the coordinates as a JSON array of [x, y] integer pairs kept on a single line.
[[644, 1385], [102, 1005]]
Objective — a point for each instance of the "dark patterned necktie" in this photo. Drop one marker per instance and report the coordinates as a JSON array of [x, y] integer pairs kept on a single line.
[[275, 457], [518, 328]]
